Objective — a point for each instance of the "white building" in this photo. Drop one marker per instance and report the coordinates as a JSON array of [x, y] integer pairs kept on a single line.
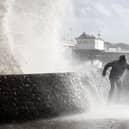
[[85, 41]]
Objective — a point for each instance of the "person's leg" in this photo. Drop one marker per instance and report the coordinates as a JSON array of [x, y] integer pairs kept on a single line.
[[111, 91], [119, 88]]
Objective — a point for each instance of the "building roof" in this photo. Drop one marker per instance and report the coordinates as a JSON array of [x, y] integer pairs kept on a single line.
[[86, 36]]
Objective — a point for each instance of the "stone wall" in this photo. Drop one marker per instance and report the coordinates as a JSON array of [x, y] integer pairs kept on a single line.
[[33, 96]]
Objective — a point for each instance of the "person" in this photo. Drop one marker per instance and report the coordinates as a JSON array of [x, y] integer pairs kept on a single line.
[[118, 67]]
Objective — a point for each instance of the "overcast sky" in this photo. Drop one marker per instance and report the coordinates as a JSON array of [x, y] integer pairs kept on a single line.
[[108, 17]]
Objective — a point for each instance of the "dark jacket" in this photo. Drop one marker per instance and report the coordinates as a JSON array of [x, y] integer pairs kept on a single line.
[[117, 69]]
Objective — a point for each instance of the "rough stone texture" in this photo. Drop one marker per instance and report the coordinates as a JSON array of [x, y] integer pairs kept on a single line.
[[27, 97]]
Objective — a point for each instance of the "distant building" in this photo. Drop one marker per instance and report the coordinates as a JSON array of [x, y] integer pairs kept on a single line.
[[85, 41], [116, 47]]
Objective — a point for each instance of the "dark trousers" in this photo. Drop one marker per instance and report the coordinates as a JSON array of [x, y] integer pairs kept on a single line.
[[113, 83]]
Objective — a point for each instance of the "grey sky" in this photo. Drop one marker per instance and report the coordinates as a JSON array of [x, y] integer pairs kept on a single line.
[[108, 17]]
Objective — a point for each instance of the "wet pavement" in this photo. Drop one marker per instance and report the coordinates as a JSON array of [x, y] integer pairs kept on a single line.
[[72, 124]]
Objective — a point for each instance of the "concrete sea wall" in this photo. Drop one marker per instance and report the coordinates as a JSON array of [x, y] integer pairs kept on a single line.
[[34, 96]]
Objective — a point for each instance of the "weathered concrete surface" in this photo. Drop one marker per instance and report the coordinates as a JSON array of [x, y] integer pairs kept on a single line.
[[33, 96]]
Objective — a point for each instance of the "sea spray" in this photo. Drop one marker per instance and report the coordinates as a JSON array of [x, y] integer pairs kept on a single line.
[[34, 29]]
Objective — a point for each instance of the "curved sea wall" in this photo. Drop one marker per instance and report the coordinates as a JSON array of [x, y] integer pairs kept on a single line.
[[33, 96]]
